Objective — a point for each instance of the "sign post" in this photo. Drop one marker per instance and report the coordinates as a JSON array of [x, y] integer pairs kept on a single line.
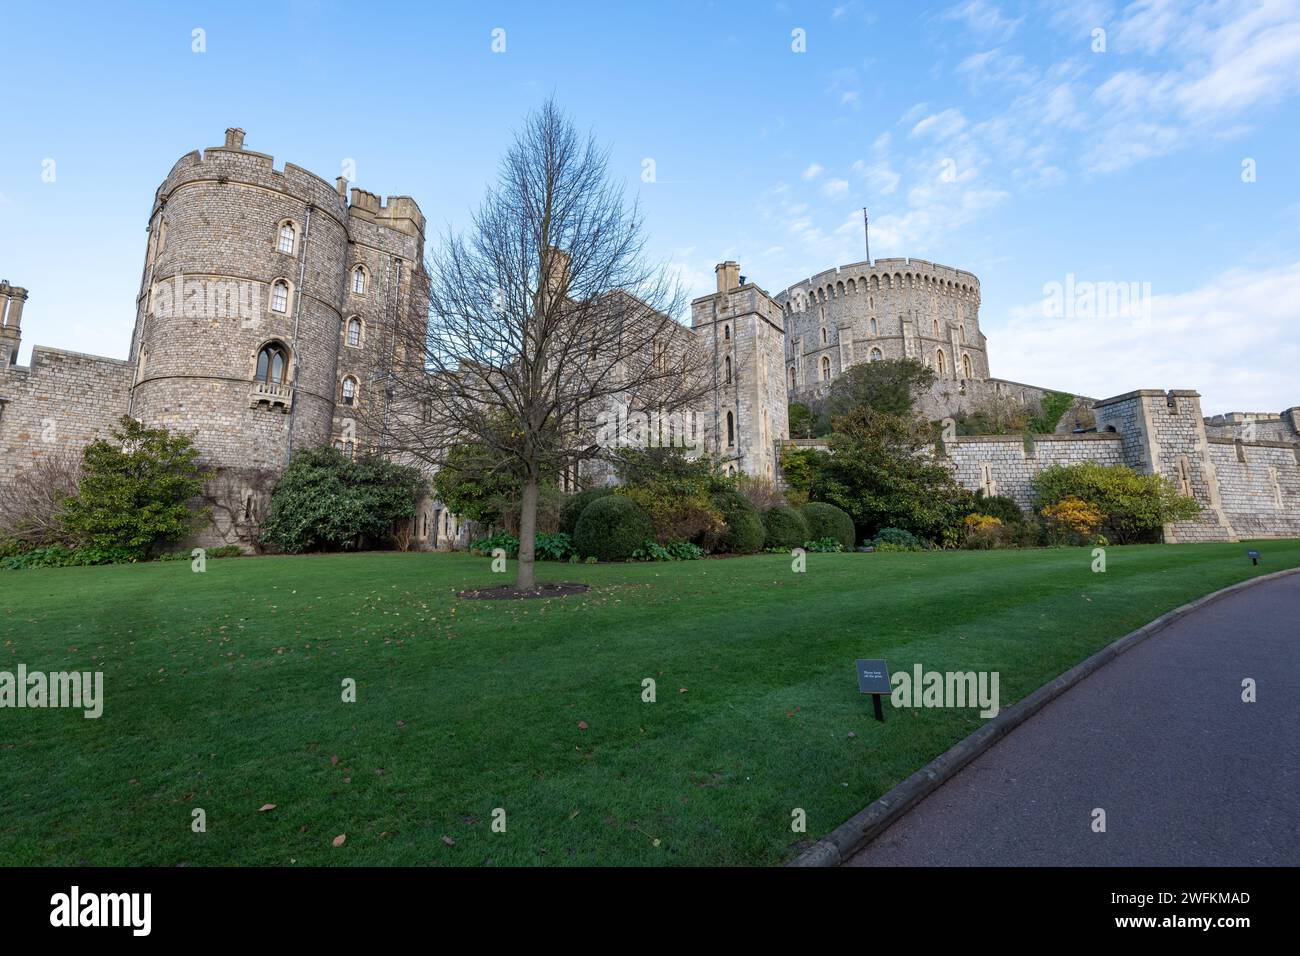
[[1253, 555], [873, 679]]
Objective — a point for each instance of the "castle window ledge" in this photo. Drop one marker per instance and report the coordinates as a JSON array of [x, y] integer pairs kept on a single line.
[[265, 393]]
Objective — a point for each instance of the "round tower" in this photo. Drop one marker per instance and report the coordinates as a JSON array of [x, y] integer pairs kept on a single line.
[[237, 323], [886, 309]]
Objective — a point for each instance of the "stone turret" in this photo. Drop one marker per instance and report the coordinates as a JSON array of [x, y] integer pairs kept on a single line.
[[11, 316]]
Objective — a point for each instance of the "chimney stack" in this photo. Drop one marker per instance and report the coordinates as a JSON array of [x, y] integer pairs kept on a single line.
[[234, 138], [728, 275], [341, 184]]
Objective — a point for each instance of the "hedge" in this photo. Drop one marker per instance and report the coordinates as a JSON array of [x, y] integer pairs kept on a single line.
[[611, 528], [785, 527], [828, 521], [745, 531], [574, 505]]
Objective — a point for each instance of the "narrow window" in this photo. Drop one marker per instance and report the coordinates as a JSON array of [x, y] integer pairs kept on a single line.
[[939, 361], [731, 430], [359, 280], [280, 296], [726, 332], [349, 391], [826, 369], [287, 238], [354, 332], [965, 364], [727, 366], [876, 355]]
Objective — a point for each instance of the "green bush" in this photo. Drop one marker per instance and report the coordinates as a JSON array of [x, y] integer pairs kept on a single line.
[[827, 521], [895, 539], [744, 532], [137, 491], [823, 546], [325, 501], [611, 528], [1136, 506], [574, 505], [502, 539], [226, 551], [785, 528], [675, 551], [58, 556], [998, 506], [546, 547]]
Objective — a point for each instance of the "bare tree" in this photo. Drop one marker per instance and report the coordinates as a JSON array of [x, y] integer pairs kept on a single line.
[[31, 503], [238, 499], [539, 323]]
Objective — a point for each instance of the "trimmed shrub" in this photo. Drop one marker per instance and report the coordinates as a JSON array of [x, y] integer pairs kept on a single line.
[[574, 505], [897, 539], [998, 506], [785, 528], [828, 521], [611, 528], [744, 533]]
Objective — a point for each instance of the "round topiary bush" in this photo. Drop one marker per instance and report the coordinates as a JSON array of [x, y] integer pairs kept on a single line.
[[898, 537], [785, 527], [745, 531], [574, 505], [611, 528], [828, 521]]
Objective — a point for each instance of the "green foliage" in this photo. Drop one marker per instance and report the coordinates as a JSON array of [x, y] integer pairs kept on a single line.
[[828, 521], [325, 501], [225, 551], [998, 414], [824, 546], [895, 539], [675, 551], [889, 387], [136, 491], [475, 484], [882, 474], [675, 491], [612, 528], [801, 468], [1135, 506], [785, 528], [574, 505], [1050, 410], [801, 419], [58, 556], [998, 506], [546, 547], [744, 532]]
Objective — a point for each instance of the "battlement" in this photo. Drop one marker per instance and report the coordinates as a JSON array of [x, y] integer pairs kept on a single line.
[[893, 273], [397, 212]]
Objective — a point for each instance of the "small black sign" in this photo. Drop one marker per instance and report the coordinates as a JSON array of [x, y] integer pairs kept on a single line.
[[873, 677]]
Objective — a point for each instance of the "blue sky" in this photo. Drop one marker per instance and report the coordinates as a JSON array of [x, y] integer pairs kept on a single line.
[[987, 136]]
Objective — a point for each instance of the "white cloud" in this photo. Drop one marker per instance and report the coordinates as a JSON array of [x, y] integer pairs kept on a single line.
[[983, 19], [813, 171], [835, 188], [1230, 339]]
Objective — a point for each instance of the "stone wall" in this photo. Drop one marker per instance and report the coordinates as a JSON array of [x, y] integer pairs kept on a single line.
[[56, 406], [1259, 486], [1007, 464]]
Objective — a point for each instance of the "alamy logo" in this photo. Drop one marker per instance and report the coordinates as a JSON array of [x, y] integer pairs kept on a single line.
[[81, 690], [103, 909], [209, 298], [1097, 300], [923, 688]]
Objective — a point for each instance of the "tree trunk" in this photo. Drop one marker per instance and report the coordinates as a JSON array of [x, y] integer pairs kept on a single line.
[[527, 533]]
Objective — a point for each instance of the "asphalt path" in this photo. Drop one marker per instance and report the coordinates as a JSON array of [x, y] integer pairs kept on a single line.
[[1160, 739]]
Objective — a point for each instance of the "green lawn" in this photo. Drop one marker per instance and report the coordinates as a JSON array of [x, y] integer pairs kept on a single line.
[[223, 692]]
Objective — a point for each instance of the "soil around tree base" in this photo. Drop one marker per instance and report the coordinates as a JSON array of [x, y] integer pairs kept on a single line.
[[508, 592]]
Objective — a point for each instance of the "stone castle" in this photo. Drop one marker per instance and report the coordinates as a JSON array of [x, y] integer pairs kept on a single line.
[[267, 320]]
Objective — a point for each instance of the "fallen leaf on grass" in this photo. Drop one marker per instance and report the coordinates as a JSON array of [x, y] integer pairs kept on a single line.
[[340, 839], [266, 806]]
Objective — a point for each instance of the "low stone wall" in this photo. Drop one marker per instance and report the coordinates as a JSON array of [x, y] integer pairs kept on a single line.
[[1007, 464], [1259, 486], [57, 405]]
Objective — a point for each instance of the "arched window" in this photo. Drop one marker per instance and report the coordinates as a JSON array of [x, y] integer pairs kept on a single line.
[[349, 390], [939, 361], [727, 366], [965, 365], [354, 332], [273, 364], [731, 430], [874, 330], [961, 332], [935, 326], [288, 240], [359, 280], [876, 355], [726, 332], [792, 378], [279, 296], [824, 338], [826, 369]]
